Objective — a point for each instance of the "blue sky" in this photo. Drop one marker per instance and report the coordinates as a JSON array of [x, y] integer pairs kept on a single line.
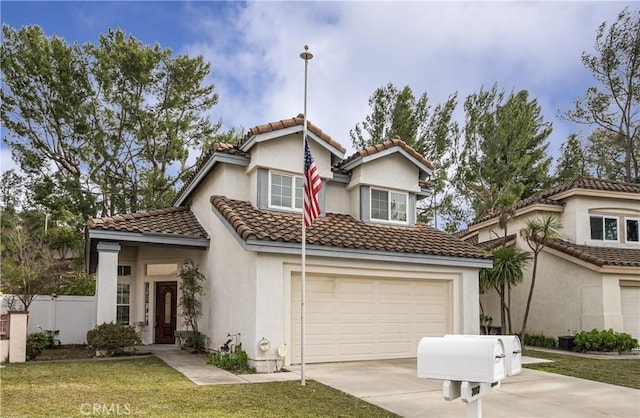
[[434, 47]]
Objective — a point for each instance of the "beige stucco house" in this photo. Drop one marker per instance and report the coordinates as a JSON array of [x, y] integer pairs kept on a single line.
[[376, 280], [590, 277]]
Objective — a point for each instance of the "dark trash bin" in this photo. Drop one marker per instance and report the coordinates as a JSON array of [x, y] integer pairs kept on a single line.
[[566, 342]]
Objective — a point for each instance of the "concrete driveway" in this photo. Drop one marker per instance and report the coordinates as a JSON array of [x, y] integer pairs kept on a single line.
[[393, 385]]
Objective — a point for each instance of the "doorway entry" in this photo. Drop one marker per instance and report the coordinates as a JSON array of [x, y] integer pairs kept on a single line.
[[166, 306]]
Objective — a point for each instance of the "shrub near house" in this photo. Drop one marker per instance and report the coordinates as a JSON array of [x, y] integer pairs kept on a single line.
[[604, 341], [112, 339]]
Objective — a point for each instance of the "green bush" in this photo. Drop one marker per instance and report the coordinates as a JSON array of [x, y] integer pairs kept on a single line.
[[112, 339], [36, 344], [604, 341], [237, 361], [541, 340], [195, 342]]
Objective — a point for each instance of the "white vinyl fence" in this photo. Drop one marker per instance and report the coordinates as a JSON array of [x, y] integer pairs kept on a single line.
[[73, 316]]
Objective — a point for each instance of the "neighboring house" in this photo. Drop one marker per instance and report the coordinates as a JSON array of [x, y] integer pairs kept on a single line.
[[590, 276], [376, 280]]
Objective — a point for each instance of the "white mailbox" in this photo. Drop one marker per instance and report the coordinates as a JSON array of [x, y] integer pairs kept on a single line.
[[461, 359], [512, 348]]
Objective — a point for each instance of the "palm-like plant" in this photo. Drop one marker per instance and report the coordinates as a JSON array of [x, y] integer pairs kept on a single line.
[[507, 270], [537, 232]]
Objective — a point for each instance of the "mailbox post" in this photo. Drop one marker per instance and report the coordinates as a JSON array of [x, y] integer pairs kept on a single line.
[[470, 366]]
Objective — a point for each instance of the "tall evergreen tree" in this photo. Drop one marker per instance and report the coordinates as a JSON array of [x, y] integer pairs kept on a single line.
[[504, 155], [572, 162], [430, 131]]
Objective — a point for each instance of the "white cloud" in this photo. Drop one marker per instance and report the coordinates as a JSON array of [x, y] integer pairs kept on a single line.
[[437, 47]]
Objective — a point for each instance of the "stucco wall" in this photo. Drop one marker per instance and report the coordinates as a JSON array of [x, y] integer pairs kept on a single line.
[[285, 154], [567, 298], [389, 172], [231, 287], [337, 198], [582, 206]]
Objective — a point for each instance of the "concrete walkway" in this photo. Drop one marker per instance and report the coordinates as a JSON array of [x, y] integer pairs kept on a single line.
[[196, 369], [394, 386]]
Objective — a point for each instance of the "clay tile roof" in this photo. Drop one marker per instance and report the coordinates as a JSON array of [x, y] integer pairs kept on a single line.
[[600, 256], [546, 196], [390, 143], [493, 243], [178, 221], [288, 123], [341, 231]]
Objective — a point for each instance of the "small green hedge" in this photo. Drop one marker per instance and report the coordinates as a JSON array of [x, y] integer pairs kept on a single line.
[[604, 341], [112, 339], [36, 344], [236, 361], [540, 340]]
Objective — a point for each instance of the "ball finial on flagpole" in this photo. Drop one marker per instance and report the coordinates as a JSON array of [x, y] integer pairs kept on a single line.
[[306, 55]]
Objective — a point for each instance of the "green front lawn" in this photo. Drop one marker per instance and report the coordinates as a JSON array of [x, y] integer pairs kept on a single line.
[[148, 387], [616, 372]]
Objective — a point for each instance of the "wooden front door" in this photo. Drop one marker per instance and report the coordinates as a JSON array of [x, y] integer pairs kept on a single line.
[[166, 305]]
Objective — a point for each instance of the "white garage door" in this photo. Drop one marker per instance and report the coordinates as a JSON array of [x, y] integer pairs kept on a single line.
[[630, 297], [367, 318]]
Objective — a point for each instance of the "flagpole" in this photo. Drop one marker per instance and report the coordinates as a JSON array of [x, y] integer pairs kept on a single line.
[[306, 56]]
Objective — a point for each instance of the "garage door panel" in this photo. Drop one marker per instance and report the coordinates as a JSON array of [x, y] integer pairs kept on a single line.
[[368, 318], [352, 329], [630, 303]]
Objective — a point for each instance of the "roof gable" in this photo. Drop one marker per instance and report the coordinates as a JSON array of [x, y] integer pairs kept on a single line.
[[283, 127], [220, 152], [390, 146]]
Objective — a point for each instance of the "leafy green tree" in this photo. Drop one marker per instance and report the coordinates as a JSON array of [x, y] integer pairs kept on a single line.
[[106, 128], [572, 161], [504, 155], [11, 191], [614, 103], [24, 261], [190, 305], [537, 232], [430, 131]]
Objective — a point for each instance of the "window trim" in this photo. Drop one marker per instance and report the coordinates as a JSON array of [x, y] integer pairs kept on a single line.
[[603, 218], [293, 177], [388, 192], [626, 236]]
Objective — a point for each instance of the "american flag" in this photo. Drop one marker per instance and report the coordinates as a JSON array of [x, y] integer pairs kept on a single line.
[[312, 186]]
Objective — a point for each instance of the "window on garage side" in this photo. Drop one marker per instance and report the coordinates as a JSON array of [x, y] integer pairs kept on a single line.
[[632, 229], [604, 228], [389, 206]]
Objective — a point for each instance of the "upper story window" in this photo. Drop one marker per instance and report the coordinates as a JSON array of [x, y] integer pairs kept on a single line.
[[632, 227], [285, 191], [604, 228], [389, 206]]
